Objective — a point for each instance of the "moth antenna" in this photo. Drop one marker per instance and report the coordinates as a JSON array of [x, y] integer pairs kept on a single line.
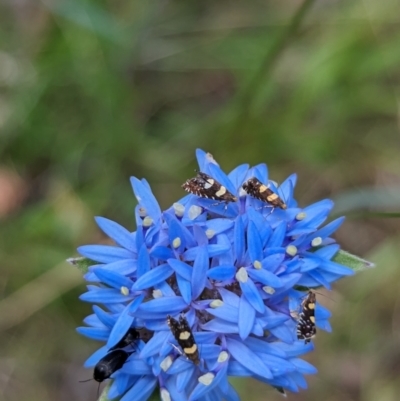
[[324, 295]]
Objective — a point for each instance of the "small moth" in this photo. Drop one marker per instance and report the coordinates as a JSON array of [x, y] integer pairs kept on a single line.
[[258, 190], [207, 187], [184, 336], [306, 329]]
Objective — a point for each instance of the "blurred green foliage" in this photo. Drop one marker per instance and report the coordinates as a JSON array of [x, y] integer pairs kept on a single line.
[[92, 92]]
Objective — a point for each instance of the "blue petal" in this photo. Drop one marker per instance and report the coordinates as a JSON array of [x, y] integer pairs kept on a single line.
[[257, 218], [116, 232], [330, 228], [295, 349], [272, 262], [319, 278], [106, 318], [104, 296], [237, 175], [257, 329], [289, 280], [219, 225], [146, 198], [179, 365], [136, 366], [161, 252], [327, 252], [307, 281], [265, 277], [167, 305], [173, 391], [259, 345], [222, 273], [246, 318], [152, 347], [336, 268], [142, 389], [309, 262], [316, 214], [221, 326], [261, 172], [283, 333], [153, 277], [204, 337], [239, 242], [112, 279], [134, 305], [278, 366], [183, 378], [165, 289], [201, 157], [298, 379], [287, 188], [199, 274], [201, 389], [213, 249], [252, 294], [323, 325], [185, 288], [124, 267], [322, 312], [209, 351], [254, 244], [229, 210], [230, 394], [181, 268], [272, 318], [95, 333], [105, 253], [237, 369], [277, 236], [139, 236], [93, 320], [247, 358], [143, 263], [229, 297], [177, 230], [303, 366], [121, 327], [95, 357], [120, 384], [200, 235], [225, 312]]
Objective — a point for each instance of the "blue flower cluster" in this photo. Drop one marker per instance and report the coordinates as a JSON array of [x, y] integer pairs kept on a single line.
[[231, 269]]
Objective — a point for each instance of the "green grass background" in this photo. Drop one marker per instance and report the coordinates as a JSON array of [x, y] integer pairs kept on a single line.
[[92, 92]]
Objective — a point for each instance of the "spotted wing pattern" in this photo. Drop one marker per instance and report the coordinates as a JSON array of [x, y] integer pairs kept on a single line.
[[207, 187], [306, 329], [184, 336], [258, 190]]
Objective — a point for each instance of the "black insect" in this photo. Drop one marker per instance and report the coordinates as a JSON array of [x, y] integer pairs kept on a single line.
[[116, 357], [184, 336], [109, 364], [130, 337], [258, 190], [306, 329], [207, 187]]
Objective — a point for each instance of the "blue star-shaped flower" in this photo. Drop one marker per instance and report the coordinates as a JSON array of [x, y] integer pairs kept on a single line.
[[229, 269]]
